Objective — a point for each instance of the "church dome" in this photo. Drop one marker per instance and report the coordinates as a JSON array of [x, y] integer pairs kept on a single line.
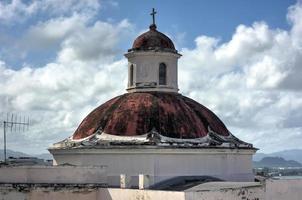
[[152, 112], [134, 114], [153, 40]]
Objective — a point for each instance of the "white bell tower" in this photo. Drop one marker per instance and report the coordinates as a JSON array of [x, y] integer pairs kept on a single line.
[[152, 62]]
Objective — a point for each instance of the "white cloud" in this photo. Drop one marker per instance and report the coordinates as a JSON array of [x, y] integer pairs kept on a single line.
[[36, 28], [96, 43], [58, 95], [53, 31], [15, 11], [265, 73], [253, 82]]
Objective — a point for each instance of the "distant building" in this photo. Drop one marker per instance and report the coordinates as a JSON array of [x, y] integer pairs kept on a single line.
[[153, 130], [27, 161]]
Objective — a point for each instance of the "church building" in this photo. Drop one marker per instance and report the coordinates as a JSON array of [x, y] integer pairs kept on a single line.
[[153, 130]]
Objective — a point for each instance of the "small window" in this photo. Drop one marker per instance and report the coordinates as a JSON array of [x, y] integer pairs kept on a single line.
[[162, 74], [131, 75]]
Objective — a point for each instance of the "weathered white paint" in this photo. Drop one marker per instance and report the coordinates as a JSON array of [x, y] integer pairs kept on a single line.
[[9, 192], [75, 193], [271, 190], [163, 163], [127, 194], [103, 138], [145, 71], [88, 194], [54, 174], [226, 191], [283, 189]]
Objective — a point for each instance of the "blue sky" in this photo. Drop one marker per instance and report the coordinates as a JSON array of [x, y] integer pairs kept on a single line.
[[209, 17], [242, 59]]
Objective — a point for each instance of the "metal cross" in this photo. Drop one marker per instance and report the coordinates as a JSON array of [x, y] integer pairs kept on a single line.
[[153, 15]]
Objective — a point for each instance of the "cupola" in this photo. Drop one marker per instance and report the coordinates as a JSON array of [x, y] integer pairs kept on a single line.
[[152, 62]]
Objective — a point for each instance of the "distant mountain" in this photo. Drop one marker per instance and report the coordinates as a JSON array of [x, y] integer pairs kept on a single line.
[[259, 156], [276, 162], [9, 153], [293, 154]]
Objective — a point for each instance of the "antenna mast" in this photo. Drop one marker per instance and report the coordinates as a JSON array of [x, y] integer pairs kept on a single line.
[[13, 123]]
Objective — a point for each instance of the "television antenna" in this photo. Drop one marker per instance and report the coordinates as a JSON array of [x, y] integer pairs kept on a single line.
[[14, 123]]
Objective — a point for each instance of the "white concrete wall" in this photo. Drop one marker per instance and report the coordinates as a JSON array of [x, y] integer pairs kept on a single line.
[[146, 65], [271, 190], [283, 189], [129, 194], [47, 193], [53, 174], [50, 193], [88, 194], [162, 164]]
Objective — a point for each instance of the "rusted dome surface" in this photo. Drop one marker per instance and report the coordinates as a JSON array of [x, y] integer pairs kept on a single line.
[[153, 39], [171, 115]]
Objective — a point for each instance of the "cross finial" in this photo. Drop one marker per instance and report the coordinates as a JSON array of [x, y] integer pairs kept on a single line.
[[153, 15]]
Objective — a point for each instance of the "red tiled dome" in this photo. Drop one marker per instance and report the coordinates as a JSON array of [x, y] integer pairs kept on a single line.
[[171, 115], [153, 39]]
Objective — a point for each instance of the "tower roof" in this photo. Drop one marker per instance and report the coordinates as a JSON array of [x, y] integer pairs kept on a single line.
[[153, 40]]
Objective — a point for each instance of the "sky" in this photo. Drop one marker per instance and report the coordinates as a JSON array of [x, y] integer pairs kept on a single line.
[[242, 59]]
